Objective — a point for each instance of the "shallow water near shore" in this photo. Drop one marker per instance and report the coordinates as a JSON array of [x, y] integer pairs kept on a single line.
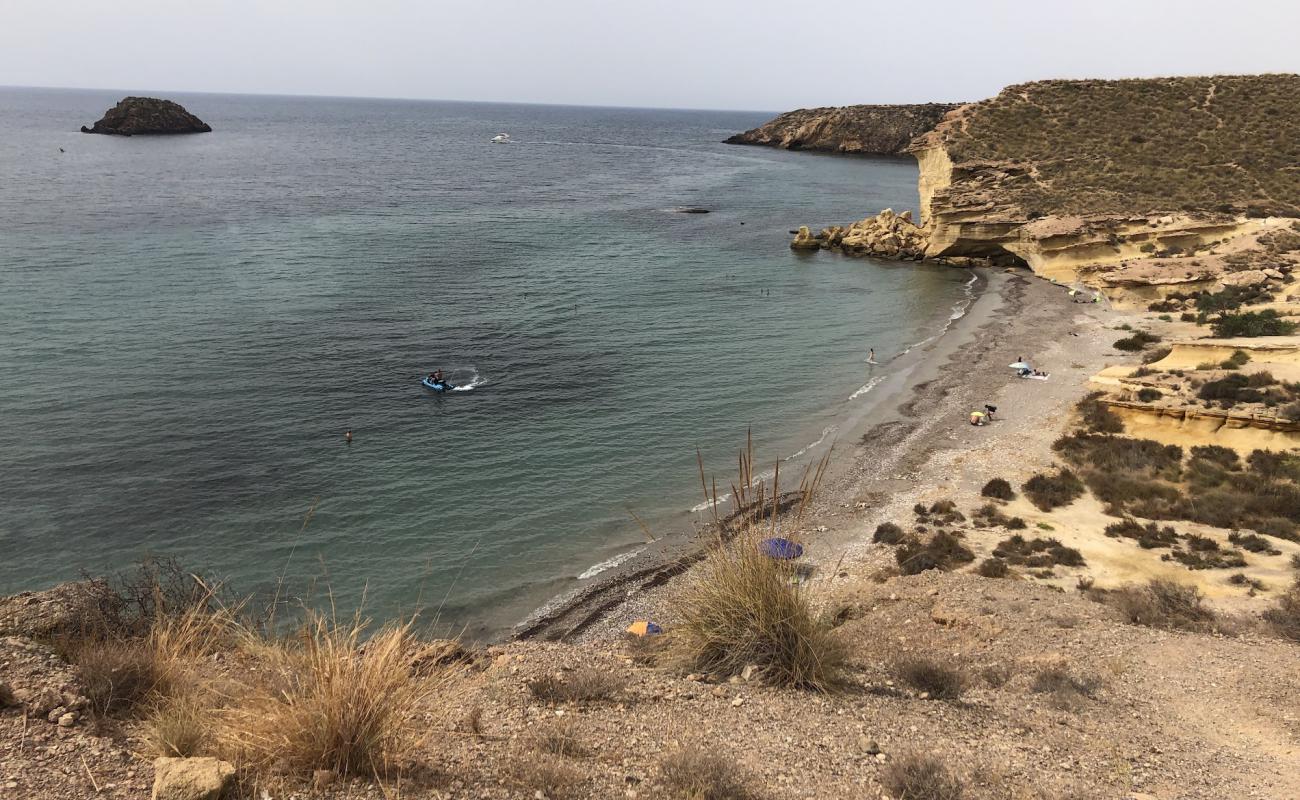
[[191, 324]]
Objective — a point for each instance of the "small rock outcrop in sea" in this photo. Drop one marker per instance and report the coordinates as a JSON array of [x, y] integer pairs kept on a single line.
[[862, 130], [886, 235], [147, 115]]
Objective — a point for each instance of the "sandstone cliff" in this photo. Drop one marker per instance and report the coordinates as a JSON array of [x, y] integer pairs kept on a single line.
[[147, 115], [1138, 187], [863, 130]]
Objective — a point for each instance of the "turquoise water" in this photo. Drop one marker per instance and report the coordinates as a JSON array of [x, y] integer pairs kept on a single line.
[[190, 324]]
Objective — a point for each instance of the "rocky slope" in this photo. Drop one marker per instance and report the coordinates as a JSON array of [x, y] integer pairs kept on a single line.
[[863, 130], [147, 115]]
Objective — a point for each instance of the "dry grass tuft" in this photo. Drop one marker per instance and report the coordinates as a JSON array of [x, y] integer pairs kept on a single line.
[[1066, 692], [739, 607], [697, 774], [328, 698], [919, 776], [545, 777], [559, 738], [579, 686], [941, 682], [179, 728]]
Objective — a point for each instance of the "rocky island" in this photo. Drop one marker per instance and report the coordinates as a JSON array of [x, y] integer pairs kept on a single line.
[[147, 116], [861, 130]]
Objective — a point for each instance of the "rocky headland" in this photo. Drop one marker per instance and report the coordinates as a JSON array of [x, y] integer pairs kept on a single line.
[[860, 130], [138, 116]]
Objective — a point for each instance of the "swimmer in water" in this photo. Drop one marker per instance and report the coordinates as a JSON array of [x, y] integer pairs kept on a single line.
[[871, 355], [347, 437]]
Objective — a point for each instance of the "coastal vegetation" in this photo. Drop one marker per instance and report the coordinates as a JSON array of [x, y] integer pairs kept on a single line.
[[1208, 144]]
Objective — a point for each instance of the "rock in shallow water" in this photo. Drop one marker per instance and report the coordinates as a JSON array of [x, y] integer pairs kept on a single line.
[[147, 115]]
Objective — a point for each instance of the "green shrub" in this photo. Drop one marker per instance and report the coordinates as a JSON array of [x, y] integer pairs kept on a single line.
[[998, 489], [1047, 492], [1252, 323], [1149, 395], [1138, 341], [943, 551]]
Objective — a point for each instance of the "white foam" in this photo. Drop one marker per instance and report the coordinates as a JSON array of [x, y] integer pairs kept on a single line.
[[827, 431], [868, 386], [474, 383], [609, 563]]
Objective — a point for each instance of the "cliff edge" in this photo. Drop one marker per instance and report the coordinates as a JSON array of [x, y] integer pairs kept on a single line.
[[1141, 188], [147, 115], [861, 130]]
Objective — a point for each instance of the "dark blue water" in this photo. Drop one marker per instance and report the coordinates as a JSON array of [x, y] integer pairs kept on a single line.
[[188, 326]]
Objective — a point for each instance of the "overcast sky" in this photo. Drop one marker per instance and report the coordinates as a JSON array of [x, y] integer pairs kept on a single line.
[[745, 54]]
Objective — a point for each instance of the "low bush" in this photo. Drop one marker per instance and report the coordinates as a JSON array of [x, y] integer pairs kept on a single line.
[[1223, 456], [1047, 492], [1065, 690], [999, 489], [578, 686], [1149, 395], [120, 677], [1163, 604], [1284, 617], [698, 774], [1096, 417], [993, 568], [927, 675], [738, 607], [1231, 298], [1137, 341], [1119, 454], [888, 533], [1208, 559], [918, 776], [943, 551], [1037, 552], [1251, 323], [1253, 543], [1148, 536]]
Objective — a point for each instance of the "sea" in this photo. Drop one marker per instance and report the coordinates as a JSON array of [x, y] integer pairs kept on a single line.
[[190, 325]]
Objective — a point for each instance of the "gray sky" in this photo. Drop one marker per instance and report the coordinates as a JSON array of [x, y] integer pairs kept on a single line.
[[747, 54]]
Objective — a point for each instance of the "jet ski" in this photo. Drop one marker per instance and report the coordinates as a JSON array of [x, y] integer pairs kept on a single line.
[[436, 386]]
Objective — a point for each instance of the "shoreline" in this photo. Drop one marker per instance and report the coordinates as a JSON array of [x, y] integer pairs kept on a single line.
[[914, 428], [650, 566]]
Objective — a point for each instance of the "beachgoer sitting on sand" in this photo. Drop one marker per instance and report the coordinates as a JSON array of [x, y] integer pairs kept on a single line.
[[977, 417]]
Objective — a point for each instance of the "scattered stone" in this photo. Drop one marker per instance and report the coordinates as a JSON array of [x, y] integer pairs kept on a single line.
[[191, 778]]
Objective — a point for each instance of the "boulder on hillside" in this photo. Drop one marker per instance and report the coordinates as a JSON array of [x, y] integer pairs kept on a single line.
[[147, 115]]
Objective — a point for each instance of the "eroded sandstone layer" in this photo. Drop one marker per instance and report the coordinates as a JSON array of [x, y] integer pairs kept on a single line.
[[862, 130], [147, 115]]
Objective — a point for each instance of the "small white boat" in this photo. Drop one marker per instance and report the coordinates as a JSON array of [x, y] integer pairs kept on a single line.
[[501, 138]]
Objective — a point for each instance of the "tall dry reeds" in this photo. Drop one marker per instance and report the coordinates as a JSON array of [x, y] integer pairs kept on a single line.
[[742, 608]]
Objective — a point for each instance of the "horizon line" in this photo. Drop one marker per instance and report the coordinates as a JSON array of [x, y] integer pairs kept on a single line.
[[395, 98]]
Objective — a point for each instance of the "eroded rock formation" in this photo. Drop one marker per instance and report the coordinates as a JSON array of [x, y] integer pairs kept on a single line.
[[886, 235], [863, 130], [147, 115], [1142, 188]]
